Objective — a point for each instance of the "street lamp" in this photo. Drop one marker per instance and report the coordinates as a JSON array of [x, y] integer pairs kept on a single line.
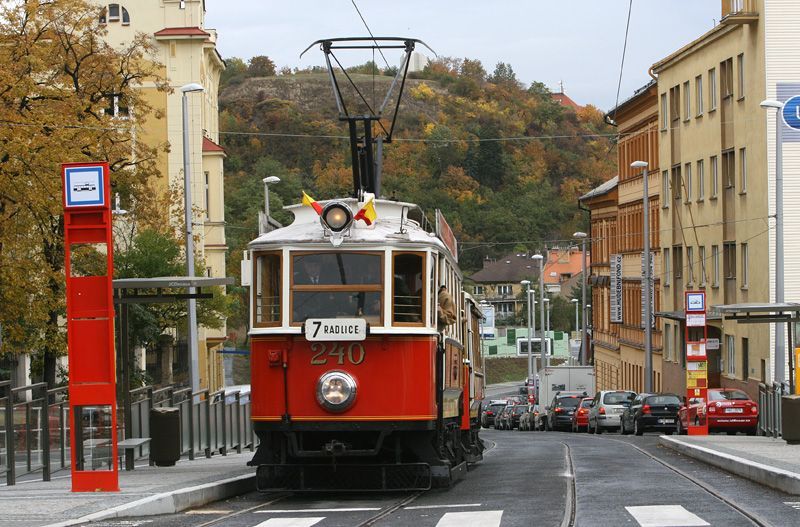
[[646, 280], [543, 343], [194, 374], [780, 350], [267, 181], [527, 285], [583, 353]]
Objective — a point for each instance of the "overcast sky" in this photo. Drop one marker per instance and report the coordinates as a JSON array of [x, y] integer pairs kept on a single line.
[[578, 42]]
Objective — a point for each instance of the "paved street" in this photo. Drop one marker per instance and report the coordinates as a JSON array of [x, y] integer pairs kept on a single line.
[[525, 480]]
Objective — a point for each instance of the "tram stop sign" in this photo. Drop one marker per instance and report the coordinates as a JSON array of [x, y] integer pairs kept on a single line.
[[791, 112]]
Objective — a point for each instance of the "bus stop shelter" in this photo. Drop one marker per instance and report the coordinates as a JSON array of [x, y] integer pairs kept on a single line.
[[158, 290], [766, 313]]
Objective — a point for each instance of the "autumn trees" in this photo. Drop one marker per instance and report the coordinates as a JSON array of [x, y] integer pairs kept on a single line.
[[65, 95]]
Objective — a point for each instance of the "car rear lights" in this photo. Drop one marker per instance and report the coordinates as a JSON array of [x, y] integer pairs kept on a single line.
[[754, 409], [646, 409], [559, 410], [602, 410], [712, 409]]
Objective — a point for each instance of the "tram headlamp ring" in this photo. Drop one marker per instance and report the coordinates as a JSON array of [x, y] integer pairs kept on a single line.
[[336, 216], [336, 391]]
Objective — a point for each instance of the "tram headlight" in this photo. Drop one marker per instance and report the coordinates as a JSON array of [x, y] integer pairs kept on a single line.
[[336, 391], [336, 216]]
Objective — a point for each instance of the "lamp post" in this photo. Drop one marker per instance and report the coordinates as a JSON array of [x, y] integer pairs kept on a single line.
[[267, 181], [543, 343], [583, 353], [194, 374], [780, 350], [547, 309], [646, 280], [577, 327], [527, 285]]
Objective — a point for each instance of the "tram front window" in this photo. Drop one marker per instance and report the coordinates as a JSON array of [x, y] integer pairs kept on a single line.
[[337, 285]]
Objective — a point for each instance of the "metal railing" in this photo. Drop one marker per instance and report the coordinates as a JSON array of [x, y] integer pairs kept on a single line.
[[769, 408], [34, 431], [35, 425]]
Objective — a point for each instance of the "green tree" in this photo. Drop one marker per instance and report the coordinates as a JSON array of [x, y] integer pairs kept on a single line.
[[261, 66], [235, 68], [59, 77]]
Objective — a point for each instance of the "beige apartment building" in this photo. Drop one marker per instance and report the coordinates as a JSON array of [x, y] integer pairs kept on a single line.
[[637, 124], [187, 50], [716, 193]]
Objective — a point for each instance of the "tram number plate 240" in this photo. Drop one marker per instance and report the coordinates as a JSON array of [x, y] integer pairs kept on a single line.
[[336, 329]]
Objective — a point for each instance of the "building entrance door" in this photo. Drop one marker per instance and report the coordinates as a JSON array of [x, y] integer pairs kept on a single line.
[[714, 370]]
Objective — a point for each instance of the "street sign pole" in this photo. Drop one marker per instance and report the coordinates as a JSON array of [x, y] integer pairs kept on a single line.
[[696, 332]]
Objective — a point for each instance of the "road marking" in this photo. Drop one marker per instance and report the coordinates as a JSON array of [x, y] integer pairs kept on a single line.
[[793, 504], [453, 506], [209, 511], [665, 516], [290, 522], [471, 519], [301, 511]]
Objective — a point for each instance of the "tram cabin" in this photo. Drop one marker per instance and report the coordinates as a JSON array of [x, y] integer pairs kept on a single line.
[[365, 352]]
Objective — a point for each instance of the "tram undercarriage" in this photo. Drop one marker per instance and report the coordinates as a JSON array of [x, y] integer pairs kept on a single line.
[[364, 458]]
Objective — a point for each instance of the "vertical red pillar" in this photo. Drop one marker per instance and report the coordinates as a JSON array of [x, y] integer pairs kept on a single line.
[[696, 363], [90, 327]]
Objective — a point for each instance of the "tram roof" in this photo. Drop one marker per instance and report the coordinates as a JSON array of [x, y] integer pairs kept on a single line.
[[306, 227]]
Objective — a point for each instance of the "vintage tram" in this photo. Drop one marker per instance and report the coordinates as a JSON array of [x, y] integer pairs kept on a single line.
[[361, 378]]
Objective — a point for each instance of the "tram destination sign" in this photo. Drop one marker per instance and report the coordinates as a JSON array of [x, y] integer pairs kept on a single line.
[[330, 329]]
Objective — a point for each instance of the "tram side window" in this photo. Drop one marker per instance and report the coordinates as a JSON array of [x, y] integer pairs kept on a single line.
[[267, 281], [407, 293]]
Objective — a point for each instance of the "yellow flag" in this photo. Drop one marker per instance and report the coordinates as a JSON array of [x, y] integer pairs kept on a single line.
[[367, 213], [308, 201]]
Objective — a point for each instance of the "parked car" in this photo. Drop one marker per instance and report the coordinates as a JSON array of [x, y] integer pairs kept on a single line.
[[500, 418], [513, 416], [647, 411], [561, 409], [727, 410], [490, 412], [580, 419], [607, 408], [525, 418]]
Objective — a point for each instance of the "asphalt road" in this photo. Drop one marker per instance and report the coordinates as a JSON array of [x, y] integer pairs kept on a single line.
[[525, 479]]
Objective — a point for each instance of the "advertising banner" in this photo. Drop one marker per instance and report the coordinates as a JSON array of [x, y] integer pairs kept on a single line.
[[616, 288]]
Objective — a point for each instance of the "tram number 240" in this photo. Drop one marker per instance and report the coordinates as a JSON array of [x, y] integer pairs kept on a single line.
[[354, 353]]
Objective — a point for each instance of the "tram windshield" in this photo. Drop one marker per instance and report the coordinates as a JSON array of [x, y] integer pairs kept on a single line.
[[337, 285]]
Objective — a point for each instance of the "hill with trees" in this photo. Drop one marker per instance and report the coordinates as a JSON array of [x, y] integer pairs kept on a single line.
[[504, 162]]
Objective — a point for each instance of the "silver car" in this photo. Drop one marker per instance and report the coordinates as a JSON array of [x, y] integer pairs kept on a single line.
[[607, 408]]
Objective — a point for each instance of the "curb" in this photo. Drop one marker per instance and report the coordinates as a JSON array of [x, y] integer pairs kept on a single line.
[[172, 501], [766, 475]]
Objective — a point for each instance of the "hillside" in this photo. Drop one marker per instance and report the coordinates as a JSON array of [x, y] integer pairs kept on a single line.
[[505, 163]]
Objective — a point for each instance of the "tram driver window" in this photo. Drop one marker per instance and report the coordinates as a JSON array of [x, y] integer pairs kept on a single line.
[[267, 308], [407, 292], [337, 285]]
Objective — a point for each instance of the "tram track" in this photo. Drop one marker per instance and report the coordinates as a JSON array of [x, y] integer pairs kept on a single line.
[[570, 504], [754, 518]]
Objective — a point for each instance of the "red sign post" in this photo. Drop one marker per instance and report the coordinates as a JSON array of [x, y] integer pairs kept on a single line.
[[90, 326], [696, 363]]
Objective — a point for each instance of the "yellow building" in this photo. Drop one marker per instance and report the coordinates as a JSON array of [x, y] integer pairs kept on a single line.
[[716, 188], [637, 124], [188, 53]]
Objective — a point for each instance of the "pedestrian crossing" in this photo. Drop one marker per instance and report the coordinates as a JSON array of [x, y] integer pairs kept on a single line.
[[644, 516], [449, 519]]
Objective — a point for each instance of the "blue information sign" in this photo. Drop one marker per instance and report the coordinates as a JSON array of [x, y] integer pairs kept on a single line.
[[791, 112]]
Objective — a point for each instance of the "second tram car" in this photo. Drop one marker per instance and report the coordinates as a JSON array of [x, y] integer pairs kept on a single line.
[[365, 351]]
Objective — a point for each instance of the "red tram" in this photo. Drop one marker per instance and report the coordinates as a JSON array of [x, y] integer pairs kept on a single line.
[[362, 377]]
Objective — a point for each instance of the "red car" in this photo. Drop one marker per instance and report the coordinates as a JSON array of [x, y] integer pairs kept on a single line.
[[728, 410], [580, 419]]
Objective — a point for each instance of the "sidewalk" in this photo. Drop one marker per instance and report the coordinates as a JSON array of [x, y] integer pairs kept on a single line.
[[143, 492], [767, 461]]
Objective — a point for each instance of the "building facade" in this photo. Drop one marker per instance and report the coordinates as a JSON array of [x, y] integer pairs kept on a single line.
[[604, 353], [716, 189], [637, 123], [187, 51]]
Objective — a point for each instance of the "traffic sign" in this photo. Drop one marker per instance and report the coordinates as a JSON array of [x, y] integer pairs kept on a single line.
[[695, 301], [791, 112]]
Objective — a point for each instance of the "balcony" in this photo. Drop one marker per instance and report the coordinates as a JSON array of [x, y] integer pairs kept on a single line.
[[737, 12]]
